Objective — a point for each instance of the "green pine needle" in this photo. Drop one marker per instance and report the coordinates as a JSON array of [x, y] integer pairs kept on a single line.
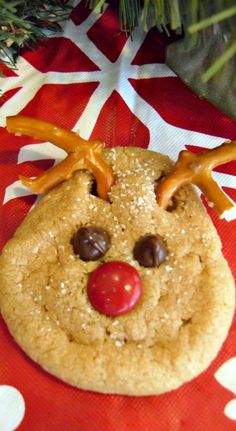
[[219, 63], [22, 22], [99, 6], [174, 13], [214, 19]]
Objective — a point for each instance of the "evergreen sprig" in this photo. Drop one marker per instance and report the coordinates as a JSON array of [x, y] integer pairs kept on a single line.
[[22, 22], [196, 19]]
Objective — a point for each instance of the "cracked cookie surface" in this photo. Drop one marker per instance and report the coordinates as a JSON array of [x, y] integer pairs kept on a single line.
[[187, 304]]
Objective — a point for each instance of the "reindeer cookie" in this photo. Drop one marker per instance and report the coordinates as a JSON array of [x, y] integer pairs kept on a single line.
[[118, 295]]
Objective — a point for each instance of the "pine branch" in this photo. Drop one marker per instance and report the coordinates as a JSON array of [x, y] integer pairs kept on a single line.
[[195, 19], [22, 22]]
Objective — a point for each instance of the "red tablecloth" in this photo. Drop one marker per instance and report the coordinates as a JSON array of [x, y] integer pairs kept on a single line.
[[93, 79]]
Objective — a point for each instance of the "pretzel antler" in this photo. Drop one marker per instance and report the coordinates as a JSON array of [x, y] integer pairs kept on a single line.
[[196, 169], [82, 154]]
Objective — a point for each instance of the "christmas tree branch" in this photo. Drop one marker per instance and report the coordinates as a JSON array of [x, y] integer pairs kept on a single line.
[[22, 22], [186, 16]]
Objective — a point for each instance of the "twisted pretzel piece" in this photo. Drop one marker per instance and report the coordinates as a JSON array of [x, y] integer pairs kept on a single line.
[[82, 154], [196, 169]]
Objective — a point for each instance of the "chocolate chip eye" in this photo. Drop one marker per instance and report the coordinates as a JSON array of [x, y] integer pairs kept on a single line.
[[90, 243], [150, 251]]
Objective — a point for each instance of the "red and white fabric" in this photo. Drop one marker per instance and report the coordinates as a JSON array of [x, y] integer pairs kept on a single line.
[[93, 79]]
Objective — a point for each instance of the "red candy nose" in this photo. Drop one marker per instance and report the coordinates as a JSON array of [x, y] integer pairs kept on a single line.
[[114, 288]]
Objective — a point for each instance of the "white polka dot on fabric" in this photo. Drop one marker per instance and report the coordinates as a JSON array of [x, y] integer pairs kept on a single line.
[[12, 408], [226, 375], [230, 409]]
